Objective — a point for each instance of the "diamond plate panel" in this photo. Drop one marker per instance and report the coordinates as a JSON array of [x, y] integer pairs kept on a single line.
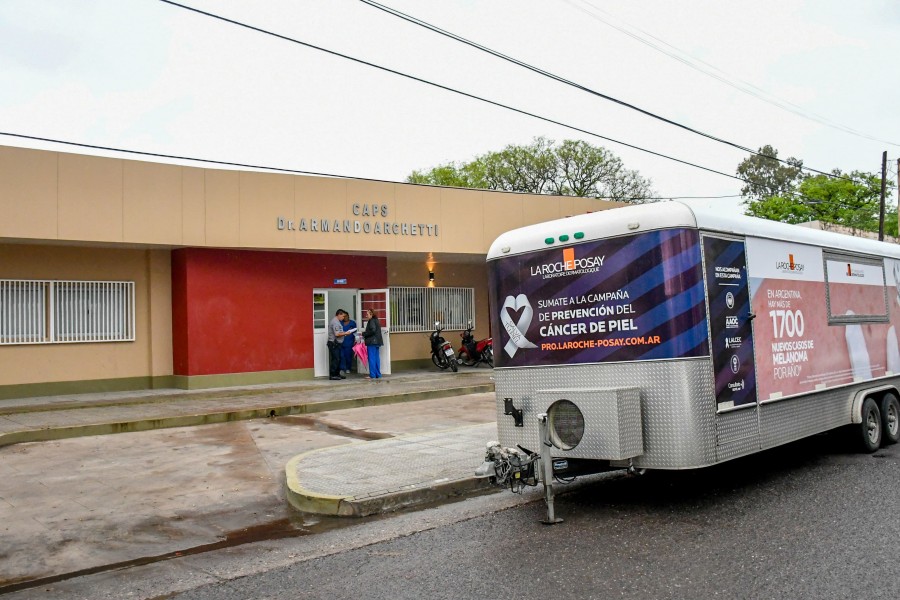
[[737, 433], [794, 418], [612, 421], [677, 406]]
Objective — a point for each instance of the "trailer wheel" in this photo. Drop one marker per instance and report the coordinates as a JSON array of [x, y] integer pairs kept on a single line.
[[890, 418], [870, 429]]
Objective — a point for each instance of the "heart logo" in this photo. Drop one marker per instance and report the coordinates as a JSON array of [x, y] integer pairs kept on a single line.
[[521, 308]]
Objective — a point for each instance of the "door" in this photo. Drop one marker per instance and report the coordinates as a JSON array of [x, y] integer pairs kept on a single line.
[[320, 332], [730, 321], [379, 301]]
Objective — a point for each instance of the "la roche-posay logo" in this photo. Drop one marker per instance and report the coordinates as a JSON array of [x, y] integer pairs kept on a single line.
[[790, 266], [569, 265], [854, 272]]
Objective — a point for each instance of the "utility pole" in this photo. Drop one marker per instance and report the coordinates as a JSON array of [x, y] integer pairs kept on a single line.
[[883, 189]]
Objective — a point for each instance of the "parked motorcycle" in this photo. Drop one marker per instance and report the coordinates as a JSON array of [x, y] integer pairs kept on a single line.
[[441, 351], [471, 353]]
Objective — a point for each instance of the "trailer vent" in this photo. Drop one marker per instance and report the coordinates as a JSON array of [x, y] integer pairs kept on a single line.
[[566, 424]]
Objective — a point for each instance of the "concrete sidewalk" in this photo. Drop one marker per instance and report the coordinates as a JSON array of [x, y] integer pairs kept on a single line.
[[105, 504], [381, 476], [60, 417]]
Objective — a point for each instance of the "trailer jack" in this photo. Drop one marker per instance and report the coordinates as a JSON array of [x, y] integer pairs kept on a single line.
[[547, 469]]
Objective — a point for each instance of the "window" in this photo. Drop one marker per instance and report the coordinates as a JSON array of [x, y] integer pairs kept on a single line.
[[855, 289], [320, 319], [415, 309], [23, 312], [47, 312]]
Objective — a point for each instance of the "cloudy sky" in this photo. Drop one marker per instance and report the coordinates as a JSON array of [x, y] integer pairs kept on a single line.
[[146, 75]]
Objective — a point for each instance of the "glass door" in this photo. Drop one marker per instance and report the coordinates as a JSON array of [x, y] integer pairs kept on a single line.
[[320, 332], [377, 300]]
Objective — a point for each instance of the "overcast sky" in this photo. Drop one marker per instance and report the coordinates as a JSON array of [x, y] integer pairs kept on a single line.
[[144, 75]]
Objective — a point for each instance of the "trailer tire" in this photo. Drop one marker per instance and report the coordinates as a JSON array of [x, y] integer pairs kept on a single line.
[[870, 430], [890, 419]]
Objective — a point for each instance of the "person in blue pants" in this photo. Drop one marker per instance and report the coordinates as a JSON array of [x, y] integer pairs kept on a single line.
[[347, 344], [374, 341]]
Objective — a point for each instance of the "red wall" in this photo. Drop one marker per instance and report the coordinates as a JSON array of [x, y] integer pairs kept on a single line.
[[238, 311]]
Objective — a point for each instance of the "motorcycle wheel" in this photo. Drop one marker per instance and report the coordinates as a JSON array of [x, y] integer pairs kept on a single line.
[[439, 361], [466, 360], [488, 357], [454, 365]]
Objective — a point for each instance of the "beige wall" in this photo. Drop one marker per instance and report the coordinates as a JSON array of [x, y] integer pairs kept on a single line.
[[151, 353], [410, 346], [132, 212], [71, 197]]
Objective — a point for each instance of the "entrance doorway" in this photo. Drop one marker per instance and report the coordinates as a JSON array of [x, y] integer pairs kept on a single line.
[[326, 301]]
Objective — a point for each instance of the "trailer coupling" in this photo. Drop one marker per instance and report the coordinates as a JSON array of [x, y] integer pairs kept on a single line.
[[518, 467], [514, 467]]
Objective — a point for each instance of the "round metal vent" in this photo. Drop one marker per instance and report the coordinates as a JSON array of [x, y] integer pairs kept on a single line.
[[566, 424]]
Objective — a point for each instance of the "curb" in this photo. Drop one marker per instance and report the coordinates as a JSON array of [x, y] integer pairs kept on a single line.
[[378, 502], [348, 506], [150, 398], [59, 433]]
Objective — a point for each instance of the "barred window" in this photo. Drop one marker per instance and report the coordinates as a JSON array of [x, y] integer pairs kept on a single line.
[[415, 309], [23, 312], [47, 312]]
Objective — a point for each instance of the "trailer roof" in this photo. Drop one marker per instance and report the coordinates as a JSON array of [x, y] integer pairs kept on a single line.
[[667, 215]]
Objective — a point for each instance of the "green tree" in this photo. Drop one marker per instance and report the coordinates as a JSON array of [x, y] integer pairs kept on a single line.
[[571, 168], [765, 176], [848, 199]]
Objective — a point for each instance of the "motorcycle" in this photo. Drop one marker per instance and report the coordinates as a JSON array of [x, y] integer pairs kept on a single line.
[[471, 353], [441, 351]]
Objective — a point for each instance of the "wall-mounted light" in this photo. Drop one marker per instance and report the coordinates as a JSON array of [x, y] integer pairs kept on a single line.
[[431, 276]]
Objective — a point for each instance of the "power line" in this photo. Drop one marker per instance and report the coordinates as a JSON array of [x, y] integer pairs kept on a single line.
[[449, 89], [419, 22], [445, 88], [282, 169], [796, 195], [710, 70]]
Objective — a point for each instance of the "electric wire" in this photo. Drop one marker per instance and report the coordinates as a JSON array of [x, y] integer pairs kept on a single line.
[[737, 83], [419, 22], [379, 67], [288, 170], [444, 87]]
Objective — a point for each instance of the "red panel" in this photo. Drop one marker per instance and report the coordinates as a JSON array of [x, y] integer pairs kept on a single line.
[[237, 311]]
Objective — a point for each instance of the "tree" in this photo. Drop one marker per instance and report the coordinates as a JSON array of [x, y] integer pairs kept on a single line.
[[765, 176], [572, 168], [848, 199]]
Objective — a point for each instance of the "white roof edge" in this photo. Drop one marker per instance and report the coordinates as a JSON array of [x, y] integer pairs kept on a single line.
[[666, 215]]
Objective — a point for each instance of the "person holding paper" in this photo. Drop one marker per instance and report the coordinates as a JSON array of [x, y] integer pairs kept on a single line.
[[347, 344]]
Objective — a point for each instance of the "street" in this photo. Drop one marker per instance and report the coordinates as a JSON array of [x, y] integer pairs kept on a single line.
[[810, 520]]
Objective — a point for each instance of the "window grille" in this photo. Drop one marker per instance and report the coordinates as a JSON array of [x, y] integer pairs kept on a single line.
[[415, 309], [23, 312], [48, 312]]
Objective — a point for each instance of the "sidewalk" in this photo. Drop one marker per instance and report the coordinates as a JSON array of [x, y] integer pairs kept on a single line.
[[60, 417], [381, 476], [104, 504]]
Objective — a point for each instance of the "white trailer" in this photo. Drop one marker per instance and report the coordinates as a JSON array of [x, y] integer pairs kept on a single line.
[[665, 337]]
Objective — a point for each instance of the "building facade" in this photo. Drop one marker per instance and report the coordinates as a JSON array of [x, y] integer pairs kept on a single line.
[[122, 274]]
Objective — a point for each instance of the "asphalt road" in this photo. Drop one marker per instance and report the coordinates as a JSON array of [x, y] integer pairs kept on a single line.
[[810, 520]]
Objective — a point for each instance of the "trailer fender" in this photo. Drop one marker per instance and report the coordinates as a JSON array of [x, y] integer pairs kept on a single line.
[[860, 397]]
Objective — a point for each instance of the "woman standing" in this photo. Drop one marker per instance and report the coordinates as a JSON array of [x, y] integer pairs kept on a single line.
[[372, 336]]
